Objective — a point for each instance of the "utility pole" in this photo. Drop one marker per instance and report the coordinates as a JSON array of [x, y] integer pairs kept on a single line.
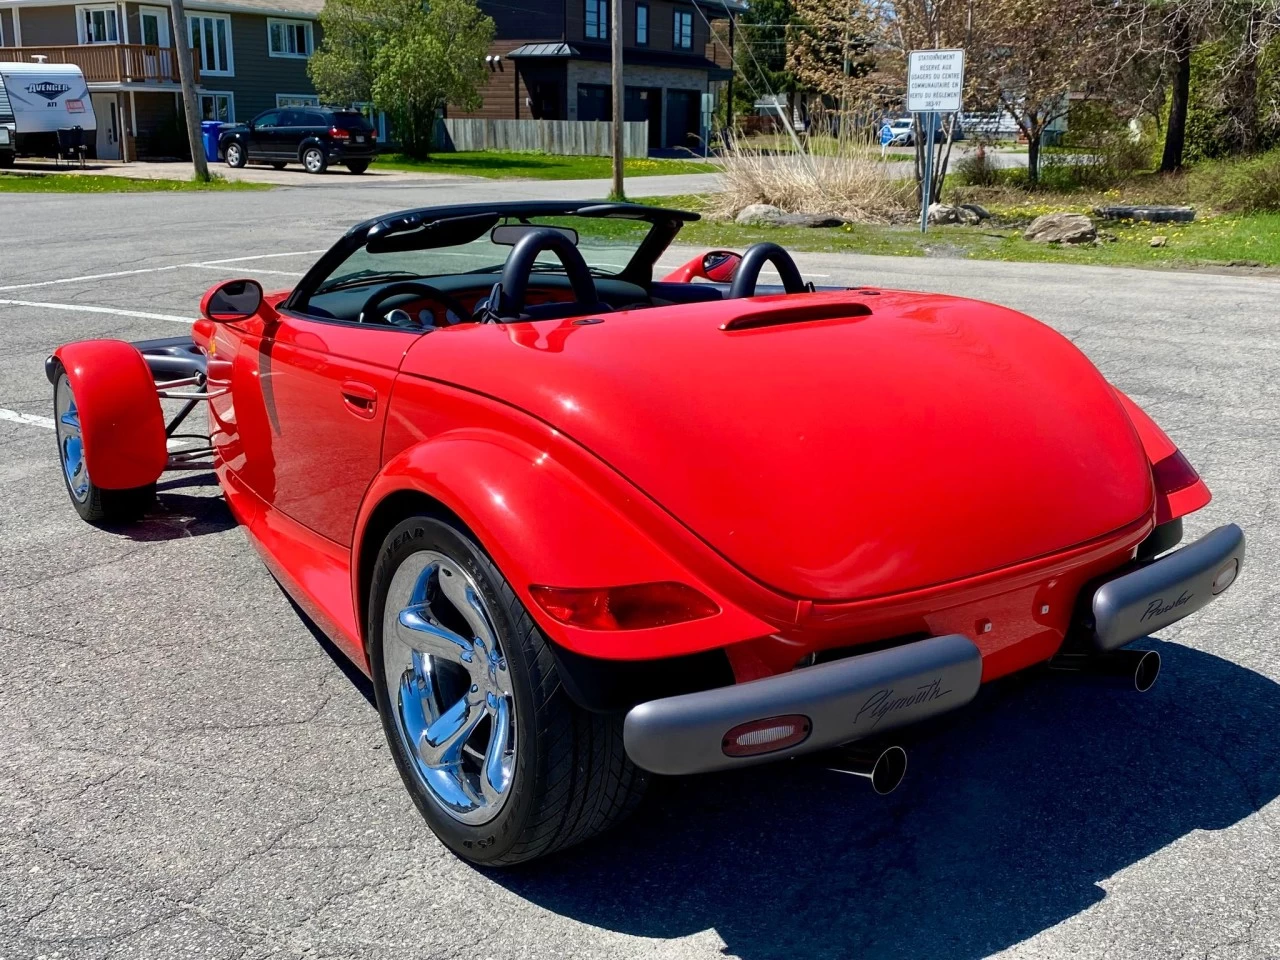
[[186, 74], [615, 35]]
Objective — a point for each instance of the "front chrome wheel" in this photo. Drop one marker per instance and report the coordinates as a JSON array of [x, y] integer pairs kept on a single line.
[[70, 441], [450, 690]]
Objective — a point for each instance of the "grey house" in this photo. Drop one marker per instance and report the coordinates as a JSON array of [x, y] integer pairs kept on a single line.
[[250, 56]]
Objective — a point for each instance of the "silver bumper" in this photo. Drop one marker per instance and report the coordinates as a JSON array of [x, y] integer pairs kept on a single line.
[[1166, 590], [850, 699]]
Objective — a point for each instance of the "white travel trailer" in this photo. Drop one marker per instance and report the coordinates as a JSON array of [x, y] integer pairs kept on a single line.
[[43, 98]]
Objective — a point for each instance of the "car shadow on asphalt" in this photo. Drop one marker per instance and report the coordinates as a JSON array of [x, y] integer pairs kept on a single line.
[[1013, 814], [174, 516]]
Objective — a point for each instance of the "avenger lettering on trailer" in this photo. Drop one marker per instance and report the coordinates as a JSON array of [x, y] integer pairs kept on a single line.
[[456, 444]]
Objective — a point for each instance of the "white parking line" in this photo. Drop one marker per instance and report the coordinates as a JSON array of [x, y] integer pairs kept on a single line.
[[209, 264], [81, 308], [228, 269], [28, 418]]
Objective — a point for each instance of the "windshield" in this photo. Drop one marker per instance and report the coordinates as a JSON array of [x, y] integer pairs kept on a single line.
[[606, 244]]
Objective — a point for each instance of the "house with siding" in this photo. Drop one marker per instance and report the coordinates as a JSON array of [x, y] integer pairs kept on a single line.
[[550, 60], [249, 56]]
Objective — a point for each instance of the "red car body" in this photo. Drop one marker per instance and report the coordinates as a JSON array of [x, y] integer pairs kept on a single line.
[[831, 470]]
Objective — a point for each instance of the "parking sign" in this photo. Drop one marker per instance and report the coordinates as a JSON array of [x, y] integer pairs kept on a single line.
[[935, 80]]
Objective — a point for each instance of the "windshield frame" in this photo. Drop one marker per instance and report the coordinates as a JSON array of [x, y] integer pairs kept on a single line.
[[665, 224]]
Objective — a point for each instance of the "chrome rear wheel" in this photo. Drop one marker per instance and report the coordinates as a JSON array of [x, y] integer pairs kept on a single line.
[[449, 686]]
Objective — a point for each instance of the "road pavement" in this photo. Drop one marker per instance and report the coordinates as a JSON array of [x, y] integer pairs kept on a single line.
[[188, 770]]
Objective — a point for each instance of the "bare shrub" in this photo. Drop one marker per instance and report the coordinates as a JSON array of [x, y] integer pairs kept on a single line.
[[845, 178]]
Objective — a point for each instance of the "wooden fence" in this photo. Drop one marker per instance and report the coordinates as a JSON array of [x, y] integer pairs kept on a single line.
[[563, 137]]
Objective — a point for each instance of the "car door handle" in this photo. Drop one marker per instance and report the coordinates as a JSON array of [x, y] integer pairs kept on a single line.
[[360, 398]]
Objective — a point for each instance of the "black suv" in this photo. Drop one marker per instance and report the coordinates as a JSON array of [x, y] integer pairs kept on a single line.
[[312, 136]]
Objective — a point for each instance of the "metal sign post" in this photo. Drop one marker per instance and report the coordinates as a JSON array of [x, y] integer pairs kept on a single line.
[[935, 80]]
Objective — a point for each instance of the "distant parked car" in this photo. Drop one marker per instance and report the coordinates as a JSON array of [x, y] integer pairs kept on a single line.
[[312, 136], [902, 132]]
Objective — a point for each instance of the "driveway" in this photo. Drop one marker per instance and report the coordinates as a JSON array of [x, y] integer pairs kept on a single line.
[[189, 771]]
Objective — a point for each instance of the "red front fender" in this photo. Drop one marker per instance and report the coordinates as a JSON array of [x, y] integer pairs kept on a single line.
[[121, 423], [542, 525]]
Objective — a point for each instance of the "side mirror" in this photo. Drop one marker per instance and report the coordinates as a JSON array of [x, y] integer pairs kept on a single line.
[[719, 266], [232, 301]]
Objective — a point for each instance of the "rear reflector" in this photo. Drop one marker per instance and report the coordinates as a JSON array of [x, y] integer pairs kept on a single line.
[[1226, 576], [634, 606], [766, 736], [1174, 473]]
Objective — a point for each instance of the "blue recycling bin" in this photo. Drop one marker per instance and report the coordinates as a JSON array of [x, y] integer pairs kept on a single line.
[[209, 130]]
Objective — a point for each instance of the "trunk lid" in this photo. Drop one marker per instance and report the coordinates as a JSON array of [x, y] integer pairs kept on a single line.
[[909, 440]]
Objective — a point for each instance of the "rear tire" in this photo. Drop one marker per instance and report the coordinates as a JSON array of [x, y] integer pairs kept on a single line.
[[236, 155], [94, 504], [357, 166], [562, 773], [314, 160]]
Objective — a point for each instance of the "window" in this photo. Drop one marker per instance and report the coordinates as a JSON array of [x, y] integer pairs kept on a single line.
[[297, 100], [98, 25], [272, 118], [642, 24], [218, 106], [289, 38], [597, 20], [155, 26], [210, 35], [682, 31]]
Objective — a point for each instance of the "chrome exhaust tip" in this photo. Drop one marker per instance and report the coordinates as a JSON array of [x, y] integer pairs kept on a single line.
[[883, 766], [1141, 668]]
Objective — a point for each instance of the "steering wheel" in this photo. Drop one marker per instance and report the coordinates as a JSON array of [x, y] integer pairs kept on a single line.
[[506, 302], [753, 261], [423, 290]]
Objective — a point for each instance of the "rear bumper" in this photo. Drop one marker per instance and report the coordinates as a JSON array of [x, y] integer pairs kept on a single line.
[[1164, 591], [850, 699]]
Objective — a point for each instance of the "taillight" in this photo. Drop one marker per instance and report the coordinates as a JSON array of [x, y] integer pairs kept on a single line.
[[632, 607], [766, 736], [339, 134], [1174, 473]]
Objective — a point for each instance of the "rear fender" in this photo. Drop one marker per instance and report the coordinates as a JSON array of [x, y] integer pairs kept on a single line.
[[121, 423], [1170, 504], [543, 525]]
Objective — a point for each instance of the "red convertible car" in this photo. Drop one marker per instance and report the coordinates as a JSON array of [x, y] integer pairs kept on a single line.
[[581, 524]]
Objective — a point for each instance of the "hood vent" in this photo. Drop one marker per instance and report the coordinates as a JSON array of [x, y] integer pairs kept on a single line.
[[800, 313]]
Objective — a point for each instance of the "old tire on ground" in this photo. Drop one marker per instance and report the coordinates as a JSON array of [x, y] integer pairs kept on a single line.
[[357, 166], [235, 155], [93, 503], [503, 766], [314, 160], [278, 164]]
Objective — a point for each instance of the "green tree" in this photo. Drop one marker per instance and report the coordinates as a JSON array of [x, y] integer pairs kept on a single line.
[[406, 57]]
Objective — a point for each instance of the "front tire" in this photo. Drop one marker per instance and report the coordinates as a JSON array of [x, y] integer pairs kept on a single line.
[[94, 504], [235, 155], [314, 160], [6, 160], [502, 765]]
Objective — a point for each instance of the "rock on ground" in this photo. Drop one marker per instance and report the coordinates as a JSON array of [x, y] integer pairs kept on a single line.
[[759, 213], [1061, 228]]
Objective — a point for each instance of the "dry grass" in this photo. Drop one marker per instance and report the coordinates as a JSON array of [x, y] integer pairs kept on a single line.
[[844, 179]]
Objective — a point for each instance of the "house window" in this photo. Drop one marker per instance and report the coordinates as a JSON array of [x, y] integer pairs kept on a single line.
[[98, 25], [682, 30], [210, 35], [597, 20], [297, 100], [218, 106], [289, 38], [642, 24]]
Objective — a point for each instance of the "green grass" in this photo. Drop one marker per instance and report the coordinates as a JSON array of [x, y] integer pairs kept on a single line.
[[536, 166], [93, 183], [1212, 241]]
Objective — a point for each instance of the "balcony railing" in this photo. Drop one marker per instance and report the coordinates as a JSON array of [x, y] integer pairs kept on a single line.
[[107, 62]]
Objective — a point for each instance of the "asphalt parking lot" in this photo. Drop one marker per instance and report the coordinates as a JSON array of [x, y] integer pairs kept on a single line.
[[186, 771]]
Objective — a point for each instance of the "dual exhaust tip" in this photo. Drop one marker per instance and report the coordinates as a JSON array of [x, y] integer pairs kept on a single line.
[[885, 766]]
